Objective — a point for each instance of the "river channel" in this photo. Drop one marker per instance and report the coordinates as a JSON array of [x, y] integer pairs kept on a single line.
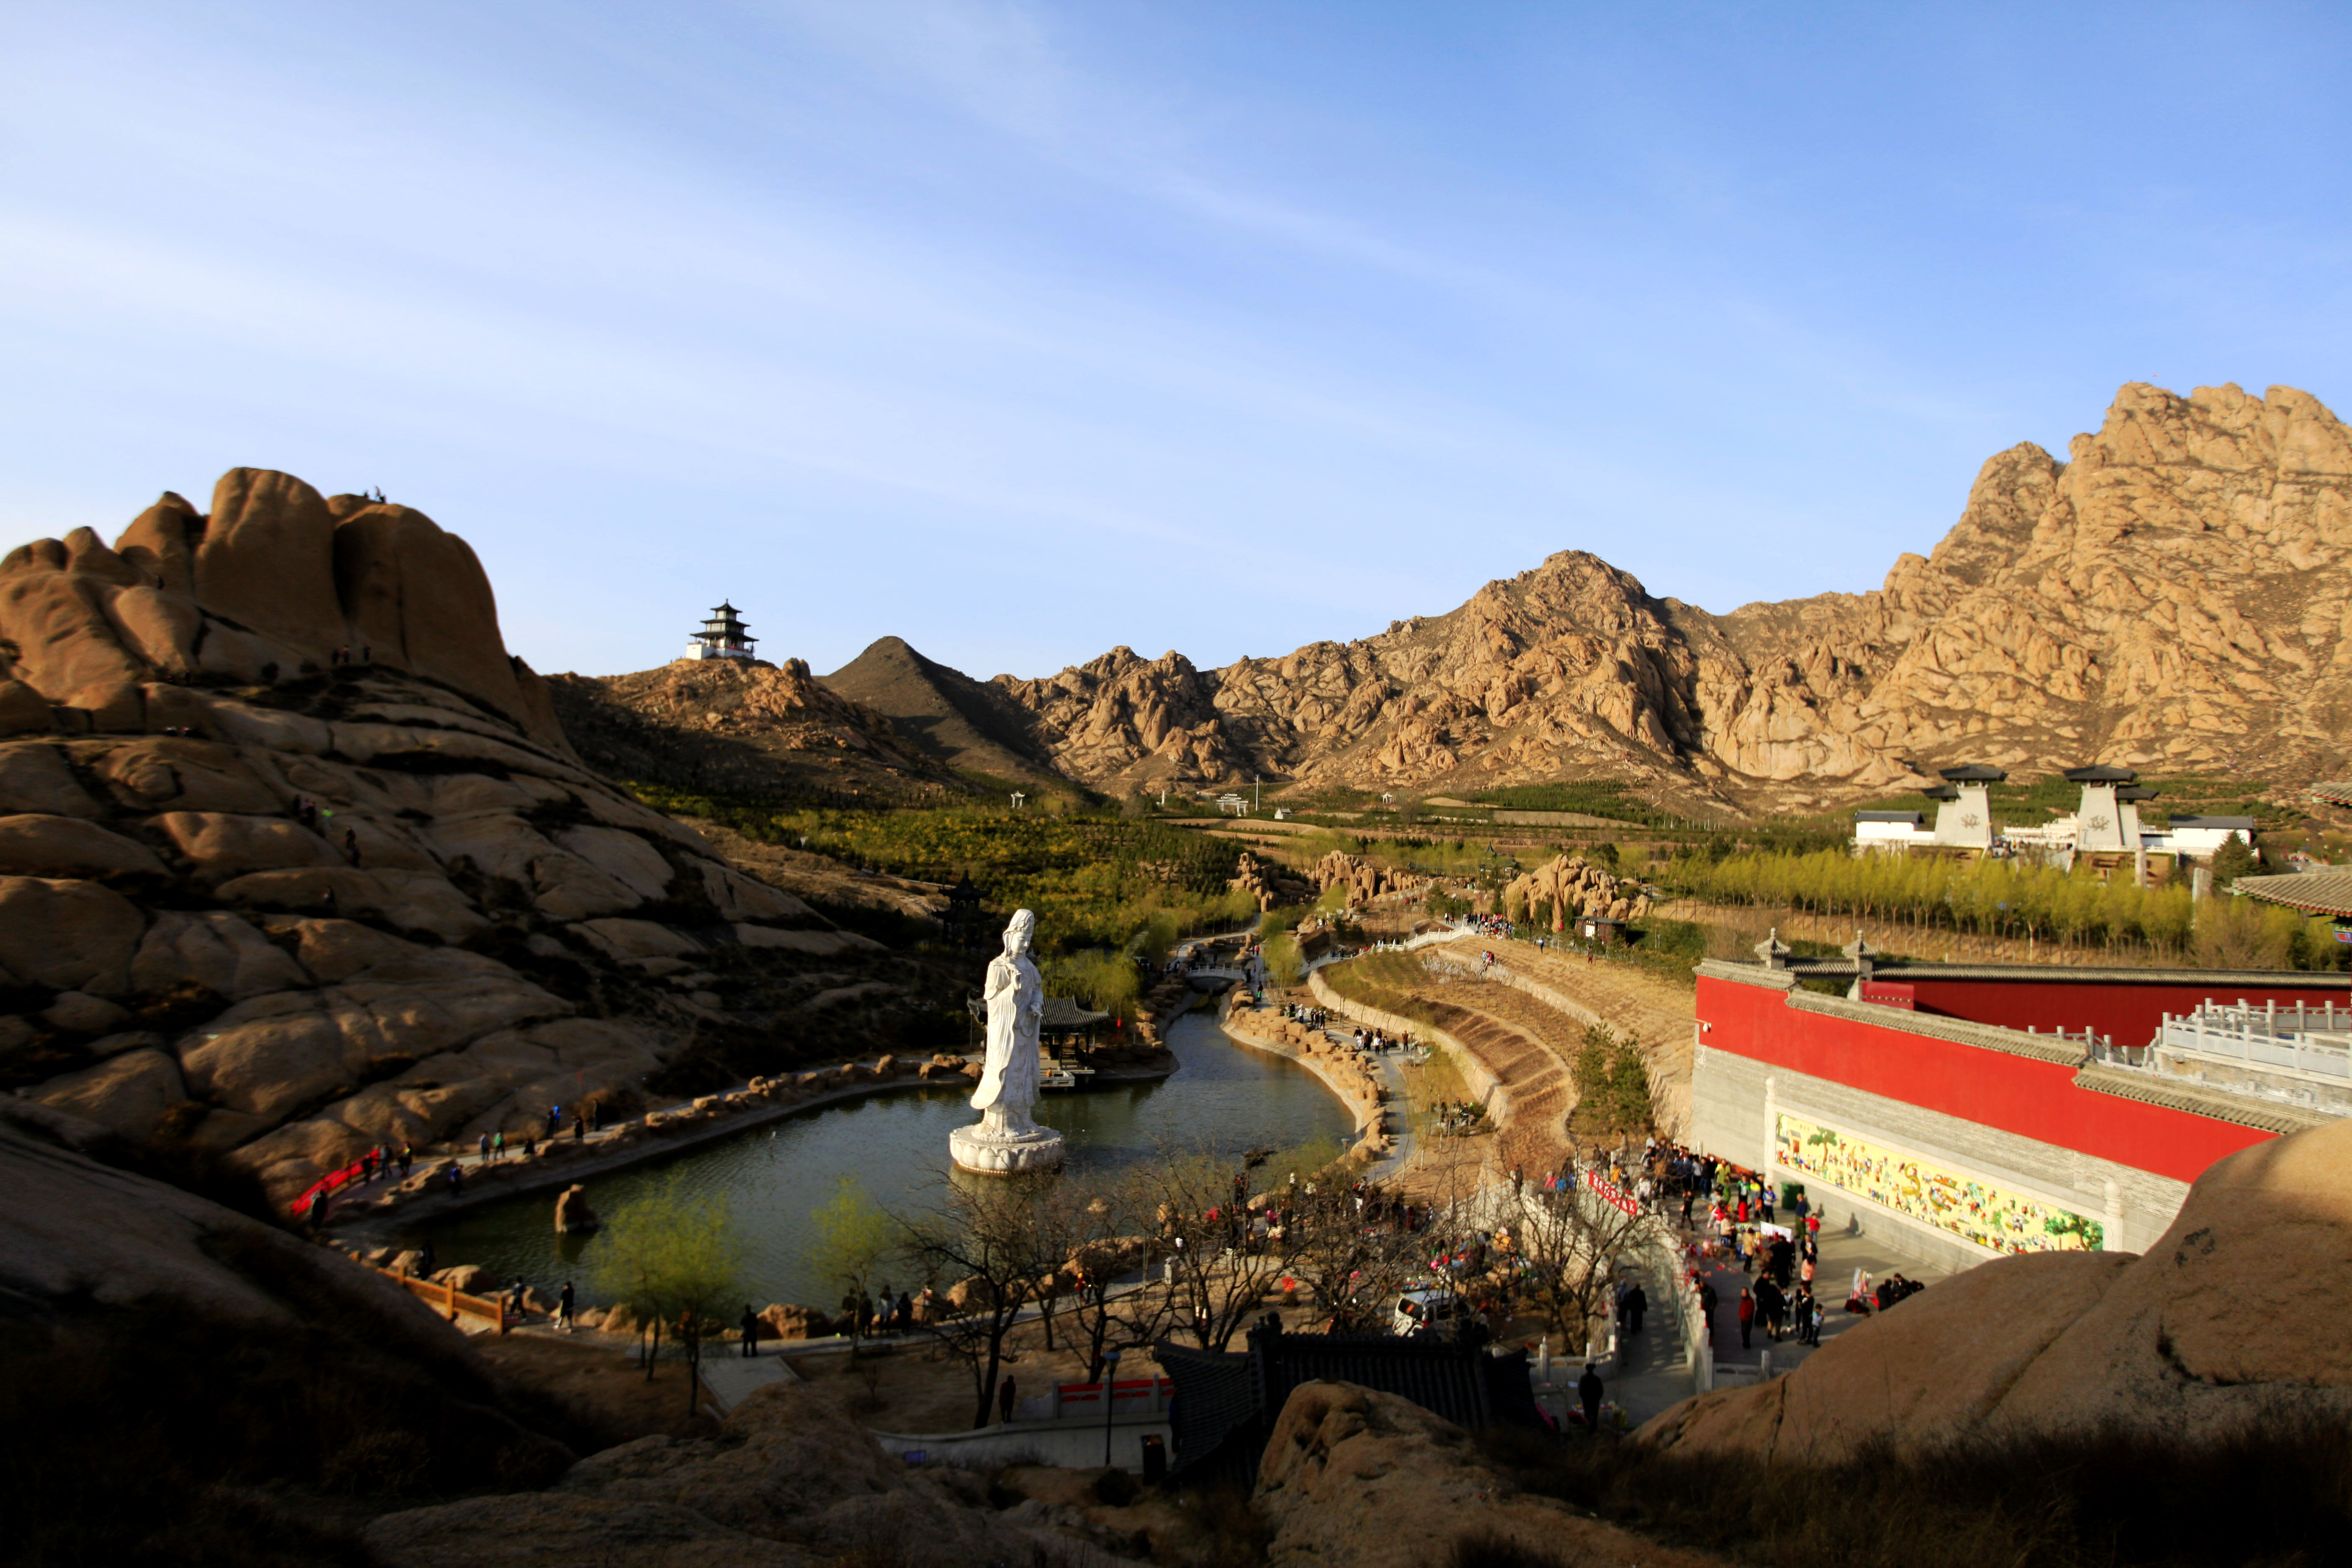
[[1221, 1096]]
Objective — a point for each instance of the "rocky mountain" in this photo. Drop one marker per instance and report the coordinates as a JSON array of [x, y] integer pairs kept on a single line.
[[295, 857], [966, 724], [727, 724], [2162, 599]]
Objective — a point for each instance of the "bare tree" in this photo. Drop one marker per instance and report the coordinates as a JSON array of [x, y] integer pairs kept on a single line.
[[982, 1249], [1112, 1309], [1223, 1259], [1571, 1242]]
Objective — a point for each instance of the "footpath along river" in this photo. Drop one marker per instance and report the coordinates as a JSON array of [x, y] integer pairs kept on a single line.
[[1221, 1096]]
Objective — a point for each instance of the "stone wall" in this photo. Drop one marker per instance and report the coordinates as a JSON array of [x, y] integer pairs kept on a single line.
[[1736, 1099]]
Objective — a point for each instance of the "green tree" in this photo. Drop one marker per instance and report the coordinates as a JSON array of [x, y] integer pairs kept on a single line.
[[854, 1240], [1282, 961], [673, 1257], [2233, 859]]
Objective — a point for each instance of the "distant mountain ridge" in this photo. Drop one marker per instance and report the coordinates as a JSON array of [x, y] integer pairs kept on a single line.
[[2164, 599], [2171, 598]]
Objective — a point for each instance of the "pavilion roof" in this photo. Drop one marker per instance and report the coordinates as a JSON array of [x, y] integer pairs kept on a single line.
[[2338, 793], [2100, 775], [1063, 1013], [1975, 773]]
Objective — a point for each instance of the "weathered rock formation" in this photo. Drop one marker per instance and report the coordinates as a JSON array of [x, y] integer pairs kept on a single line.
[[1373, 1481], [1364, 879], [1269, 883], [2227, 1322], [730, 724], [1567, 886], [572, 1214], [295, 859], [790, 1479], [2164, 598]]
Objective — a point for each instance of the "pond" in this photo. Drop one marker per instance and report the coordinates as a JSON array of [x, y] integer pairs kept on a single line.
[[1221, 1096]]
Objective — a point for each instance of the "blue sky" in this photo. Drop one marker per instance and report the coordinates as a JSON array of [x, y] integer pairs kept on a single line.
[[1022, 330]]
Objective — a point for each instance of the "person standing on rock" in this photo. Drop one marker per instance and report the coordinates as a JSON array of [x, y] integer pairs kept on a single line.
[[564, 1307], [750, 1325], [1588, 1393]]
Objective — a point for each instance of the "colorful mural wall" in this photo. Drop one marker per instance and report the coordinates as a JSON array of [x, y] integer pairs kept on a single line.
[[1921, 1190]]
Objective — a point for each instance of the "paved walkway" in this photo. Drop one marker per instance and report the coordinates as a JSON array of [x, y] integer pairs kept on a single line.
[[1651, 1373]]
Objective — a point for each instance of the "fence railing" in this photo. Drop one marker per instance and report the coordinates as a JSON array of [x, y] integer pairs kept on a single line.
[[2265, 1036], [452, 1303]]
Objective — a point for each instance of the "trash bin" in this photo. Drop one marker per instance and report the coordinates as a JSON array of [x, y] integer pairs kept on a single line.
[[1155, 1460]]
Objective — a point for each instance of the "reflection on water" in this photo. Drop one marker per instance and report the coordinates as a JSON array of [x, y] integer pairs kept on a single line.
[[895, 1143]]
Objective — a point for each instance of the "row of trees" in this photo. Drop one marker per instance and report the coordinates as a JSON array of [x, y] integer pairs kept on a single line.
[[2016, 898]]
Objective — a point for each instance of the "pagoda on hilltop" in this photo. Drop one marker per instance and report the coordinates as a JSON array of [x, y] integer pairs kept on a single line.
[[722, 637]]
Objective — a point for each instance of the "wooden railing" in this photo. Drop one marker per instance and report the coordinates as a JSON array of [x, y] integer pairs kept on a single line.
[[451, 1302]]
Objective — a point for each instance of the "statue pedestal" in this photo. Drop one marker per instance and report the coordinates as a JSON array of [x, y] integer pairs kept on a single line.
[[1004, 1150]]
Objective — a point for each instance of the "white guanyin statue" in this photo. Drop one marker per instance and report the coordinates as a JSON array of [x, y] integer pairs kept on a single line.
[[1005, 1141]]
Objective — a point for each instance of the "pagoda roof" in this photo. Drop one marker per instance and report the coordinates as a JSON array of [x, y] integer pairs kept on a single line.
[[1975, 773], [1941, 792], [2102, 774], [2137, 792]]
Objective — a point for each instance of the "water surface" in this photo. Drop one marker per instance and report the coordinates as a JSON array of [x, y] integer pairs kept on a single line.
[[772, 1176]]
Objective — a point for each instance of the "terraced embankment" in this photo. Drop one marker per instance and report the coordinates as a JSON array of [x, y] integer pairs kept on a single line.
[[1522, 1019], [1632, 1003]]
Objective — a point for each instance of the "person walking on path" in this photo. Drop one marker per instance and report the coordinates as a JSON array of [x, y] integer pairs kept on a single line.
[[498, 1144], [1588, 1394], [1707, 1300], [1004, 1400], [1747, 1315], [750, 1326], [579, 1128], [1637, 1301], [564, 1307], [484, 1142]]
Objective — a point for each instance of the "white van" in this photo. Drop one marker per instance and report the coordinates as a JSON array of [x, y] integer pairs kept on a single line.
[[1437, 1310]]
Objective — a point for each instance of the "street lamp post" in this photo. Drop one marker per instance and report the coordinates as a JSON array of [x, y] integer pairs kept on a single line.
[[1110, 1371]]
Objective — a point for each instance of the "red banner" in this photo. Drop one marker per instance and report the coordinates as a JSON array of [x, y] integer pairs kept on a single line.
[[1610, 1193]]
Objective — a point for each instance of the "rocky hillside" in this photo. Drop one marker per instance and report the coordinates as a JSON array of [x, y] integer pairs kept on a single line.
[[966, 724], [2163, 599], [294, 858], [739, 724]]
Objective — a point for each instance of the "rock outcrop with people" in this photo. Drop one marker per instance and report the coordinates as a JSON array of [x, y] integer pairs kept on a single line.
[[2168, 595], [2226, 1325], [296, 859]]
